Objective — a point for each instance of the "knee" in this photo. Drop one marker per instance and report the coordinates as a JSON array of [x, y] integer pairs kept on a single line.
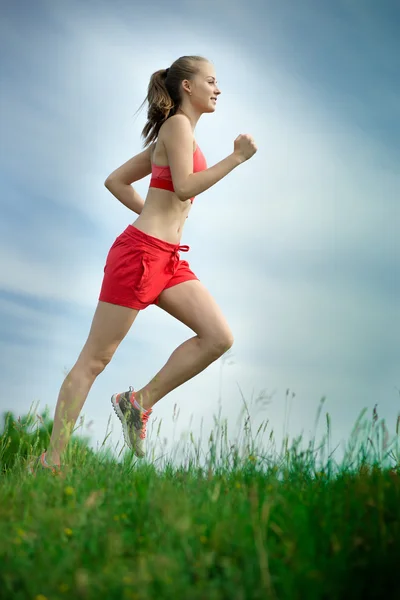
[[221, 344], [98, 367], [93, 366]]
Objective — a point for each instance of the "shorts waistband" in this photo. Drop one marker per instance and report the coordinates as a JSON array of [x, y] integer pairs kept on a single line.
[[136, 234]]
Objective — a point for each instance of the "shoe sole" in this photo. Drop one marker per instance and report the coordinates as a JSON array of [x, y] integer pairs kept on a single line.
[[125, 431]]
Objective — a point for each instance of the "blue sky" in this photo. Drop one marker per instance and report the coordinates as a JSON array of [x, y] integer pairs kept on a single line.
[[299, 246]]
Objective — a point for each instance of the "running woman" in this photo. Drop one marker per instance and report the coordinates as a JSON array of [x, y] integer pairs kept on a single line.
[[143, 265]]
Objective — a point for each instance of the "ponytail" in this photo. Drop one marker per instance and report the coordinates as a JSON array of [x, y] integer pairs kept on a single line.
[[160, 106]]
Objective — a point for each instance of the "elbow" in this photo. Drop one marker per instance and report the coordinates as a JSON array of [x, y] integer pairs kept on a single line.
[[110, 182], [182, 197], [182, 189], [182, 194]]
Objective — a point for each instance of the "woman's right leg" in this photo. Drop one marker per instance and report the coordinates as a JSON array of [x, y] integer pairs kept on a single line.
[[110, 325]]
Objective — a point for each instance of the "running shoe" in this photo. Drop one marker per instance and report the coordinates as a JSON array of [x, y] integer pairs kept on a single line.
[[40, 463], [133, 419]]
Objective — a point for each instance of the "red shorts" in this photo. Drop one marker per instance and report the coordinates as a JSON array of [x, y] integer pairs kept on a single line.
[[139, 267]]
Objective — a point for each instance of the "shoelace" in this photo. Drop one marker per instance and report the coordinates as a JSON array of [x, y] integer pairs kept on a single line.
[[145, 417]]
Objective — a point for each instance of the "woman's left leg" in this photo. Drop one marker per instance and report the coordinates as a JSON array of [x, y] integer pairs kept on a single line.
[[191, 303]]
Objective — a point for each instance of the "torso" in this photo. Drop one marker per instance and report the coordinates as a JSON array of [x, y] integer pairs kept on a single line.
[[163, 215]]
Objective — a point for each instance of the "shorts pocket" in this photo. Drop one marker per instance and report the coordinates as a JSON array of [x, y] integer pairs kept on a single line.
[[142, 281], [147, 276]]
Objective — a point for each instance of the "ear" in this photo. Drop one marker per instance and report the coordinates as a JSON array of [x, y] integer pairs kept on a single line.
[[186, 85]]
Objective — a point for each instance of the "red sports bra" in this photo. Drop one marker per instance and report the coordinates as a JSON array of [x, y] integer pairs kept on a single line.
[[161, 176]]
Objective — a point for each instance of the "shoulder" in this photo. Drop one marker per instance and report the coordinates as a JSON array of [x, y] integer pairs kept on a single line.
[[177, 132], [177, 124]]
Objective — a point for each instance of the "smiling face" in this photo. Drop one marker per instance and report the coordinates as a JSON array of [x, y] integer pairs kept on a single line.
[[204, 88]]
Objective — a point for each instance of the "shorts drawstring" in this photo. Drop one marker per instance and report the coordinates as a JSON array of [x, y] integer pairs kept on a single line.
[[175, 256]]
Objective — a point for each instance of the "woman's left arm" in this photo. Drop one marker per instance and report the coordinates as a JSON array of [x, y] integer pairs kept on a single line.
[[119, 181]]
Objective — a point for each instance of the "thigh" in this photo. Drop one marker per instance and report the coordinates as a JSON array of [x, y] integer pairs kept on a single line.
[[191, 303], [110, 325]]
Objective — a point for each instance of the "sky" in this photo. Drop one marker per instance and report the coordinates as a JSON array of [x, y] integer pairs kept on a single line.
[[299, 245]]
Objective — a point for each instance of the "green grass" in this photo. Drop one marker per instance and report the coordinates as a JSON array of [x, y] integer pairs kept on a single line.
[[236, 522]]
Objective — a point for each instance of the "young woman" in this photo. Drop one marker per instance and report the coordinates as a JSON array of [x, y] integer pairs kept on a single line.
[[144, 267]]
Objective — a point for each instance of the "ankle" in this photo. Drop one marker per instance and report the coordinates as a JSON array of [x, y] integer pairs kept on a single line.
[[140, 399]]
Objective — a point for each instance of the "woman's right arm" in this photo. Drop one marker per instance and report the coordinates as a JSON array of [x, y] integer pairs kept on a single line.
[[178, 140]]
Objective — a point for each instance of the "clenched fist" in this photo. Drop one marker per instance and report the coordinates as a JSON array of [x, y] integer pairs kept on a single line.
[[244, 146]]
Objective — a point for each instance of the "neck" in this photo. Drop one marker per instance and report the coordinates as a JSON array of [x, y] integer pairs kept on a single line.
[[191, 113]]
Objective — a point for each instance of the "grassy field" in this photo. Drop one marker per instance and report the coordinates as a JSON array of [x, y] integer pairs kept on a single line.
[[237, 523]]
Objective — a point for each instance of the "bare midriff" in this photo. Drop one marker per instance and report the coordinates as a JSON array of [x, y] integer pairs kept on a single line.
[[163, 215]]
